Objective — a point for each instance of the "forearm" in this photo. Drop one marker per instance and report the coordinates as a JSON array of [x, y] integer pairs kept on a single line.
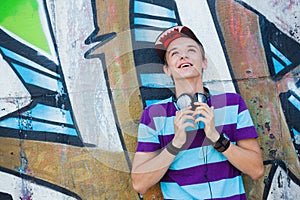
[[148, 169], [248, 161]]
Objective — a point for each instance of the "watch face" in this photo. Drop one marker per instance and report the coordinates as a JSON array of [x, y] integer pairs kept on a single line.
[[184, 101]]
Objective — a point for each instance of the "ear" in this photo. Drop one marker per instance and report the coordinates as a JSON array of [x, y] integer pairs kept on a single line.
[[204, 65], [167, 70]]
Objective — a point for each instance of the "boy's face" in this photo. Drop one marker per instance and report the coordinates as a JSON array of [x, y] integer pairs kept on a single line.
[[184, 59]]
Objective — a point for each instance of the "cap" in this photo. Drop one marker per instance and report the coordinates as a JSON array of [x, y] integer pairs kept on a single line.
[[169, 35]]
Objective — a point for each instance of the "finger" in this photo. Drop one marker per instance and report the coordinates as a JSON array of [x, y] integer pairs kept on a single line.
[[204, 110], [182, 117], [184, 110], [201, 111], [188, 123], [200, 119], [201, 104], [206, 117]]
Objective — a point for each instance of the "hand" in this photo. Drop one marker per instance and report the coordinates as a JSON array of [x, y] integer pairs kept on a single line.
[[183, 119], [206, 115]]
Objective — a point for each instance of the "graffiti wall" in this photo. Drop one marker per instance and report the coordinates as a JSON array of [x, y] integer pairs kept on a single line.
[[76, 75]]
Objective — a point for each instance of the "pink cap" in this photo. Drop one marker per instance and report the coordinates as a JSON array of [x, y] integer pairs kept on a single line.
[[169, 35]]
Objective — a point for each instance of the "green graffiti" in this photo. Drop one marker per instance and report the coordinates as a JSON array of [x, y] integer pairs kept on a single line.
[[22, 18]]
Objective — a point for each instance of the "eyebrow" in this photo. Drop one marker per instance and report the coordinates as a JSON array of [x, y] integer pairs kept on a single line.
[[191, 45]]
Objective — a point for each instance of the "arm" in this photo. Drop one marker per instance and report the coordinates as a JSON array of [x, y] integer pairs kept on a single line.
[[245, 156], [149, 167]]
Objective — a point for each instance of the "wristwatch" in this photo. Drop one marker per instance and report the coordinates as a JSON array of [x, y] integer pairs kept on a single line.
[[223, 143], [172, 149]]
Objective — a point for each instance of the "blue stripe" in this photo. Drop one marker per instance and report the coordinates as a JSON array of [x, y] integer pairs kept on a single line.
[[147, 134], [223, 116], [154, 10], [52, 114], [159, 101], [277, 66], [173, 191], [20, 58], [295, 102], [296, 136], [226, 115], [15, 123], [244, 120], [35, 78], [236, 188], [156, 80], [164, 125], [195, 157], [201, 191], [144, 35], [280, 55], [153, 22], [150, 102]]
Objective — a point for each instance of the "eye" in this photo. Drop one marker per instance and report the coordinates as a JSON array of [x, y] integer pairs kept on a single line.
[[173, 53], [192, 50]]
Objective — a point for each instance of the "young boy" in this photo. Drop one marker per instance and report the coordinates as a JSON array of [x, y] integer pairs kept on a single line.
[[195, 147]]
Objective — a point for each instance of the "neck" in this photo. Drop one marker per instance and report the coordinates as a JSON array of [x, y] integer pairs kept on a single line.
[[189, 86]]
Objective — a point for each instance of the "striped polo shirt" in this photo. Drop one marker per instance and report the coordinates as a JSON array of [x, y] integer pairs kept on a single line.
[[198, 171]]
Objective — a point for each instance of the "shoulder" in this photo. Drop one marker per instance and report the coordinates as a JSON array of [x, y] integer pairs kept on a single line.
[[160, 108], [218, 94], [225, 99]]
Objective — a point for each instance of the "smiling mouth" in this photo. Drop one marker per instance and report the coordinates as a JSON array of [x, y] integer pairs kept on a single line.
[[185, 65]]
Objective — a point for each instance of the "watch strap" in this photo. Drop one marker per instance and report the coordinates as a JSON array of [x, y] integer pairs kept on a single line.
[[172, 149], [222, 144]]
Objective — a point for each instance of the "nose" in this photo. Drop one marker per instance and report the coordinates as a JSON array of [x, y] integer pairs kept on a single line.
[[183, 55]]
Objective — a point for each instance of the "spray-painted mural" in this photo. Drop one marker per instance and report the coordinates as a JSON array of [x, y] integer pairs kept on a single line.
[[75, 77]]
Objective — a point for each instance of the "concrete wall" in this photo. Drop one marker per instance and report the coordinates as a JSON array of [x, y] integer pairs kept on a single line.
[[76, 75]]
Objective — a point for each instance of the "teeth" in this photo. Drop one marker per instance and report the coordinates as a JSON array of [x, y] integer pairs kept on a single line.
[[185, 65]]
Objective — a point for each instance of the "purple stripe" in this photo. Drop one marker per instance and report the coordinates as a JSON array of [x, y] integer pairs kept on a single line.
[[157, 110], [246, 133], [235, 197], [237, 134], [242, 106], [228, 99], [221, 100], [195, 139], [228, 129], [201, 174], [147, 147]]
